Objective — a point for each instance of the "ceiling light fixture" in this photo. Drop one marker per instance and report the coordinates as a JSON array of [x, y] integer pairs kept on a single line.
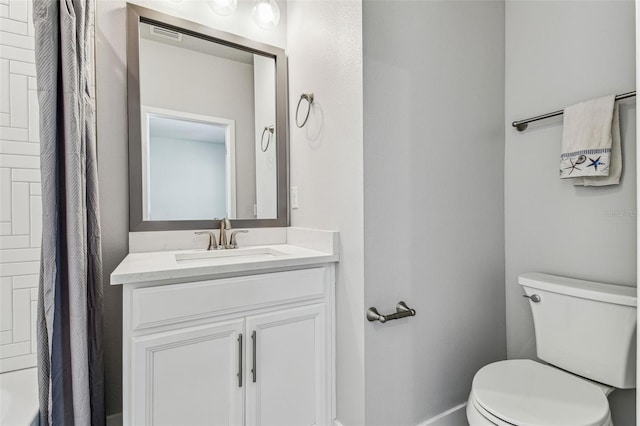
[[266, 14], [223, 7]]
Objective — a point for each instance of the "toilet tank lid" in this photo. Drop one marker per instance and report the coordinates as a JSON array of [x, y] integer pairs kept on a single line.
[[608, 293]]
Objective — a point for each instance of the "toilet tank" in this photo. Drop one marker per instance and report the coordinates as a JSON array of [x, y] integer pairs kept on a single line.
[[585, 327]]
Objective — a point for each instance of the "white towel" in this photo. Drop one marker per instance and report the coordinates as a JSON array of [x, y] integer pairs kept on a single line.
[[591, 143], [615, 167]]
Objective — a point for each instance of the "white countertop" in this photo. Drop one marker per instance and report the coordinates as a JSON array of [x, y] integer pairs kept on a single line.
[[155, 266]]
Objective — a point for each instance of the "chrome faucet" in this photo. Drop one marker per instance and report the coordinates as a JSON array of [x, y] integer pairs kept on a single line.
[[224, 225], [221, 244]]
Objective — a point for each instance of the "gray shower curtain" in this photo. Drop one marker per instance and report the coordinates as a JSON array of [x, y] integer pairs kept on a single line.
[[70, 352]]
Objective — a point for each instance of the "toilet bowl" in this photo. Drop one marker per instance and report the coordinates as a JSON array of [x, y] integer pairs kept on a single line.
[[526, 393], [585, 331]]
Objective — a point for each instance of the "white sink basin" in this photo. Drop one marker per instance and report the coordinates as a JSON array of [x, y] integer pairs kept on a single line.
[[253, 253]]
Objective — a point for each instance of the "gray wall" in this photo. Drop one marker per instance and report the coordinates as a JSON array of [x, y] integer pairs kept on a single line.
[[324, 44], [266, 168], [188, 179], [559, 53], [113, 174], [434, 224], [185, 80]]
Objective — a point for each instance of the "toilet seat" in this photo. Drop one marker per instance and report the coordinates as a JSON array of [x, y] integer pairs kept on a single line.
[[527, 393], [478, 416]]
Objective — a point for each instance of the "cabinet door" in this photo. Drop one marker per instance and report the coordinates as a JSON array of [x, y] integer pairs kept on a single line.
[[287, 368], [189, 376]]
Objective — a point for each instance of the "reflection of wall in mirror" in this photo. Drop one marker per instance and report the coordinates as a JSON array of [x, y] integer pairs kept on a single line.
[[188, 179], [266, 162], [190, 81]]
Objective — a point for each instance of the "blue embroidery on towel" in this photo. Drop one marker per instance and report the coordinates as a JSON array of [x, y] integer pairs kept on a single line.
[[566, 155], [595, 163]]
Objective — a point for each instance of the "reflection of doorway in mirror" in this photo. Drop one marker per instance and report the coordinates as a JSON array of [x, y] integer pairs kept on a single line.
[[188, 166]]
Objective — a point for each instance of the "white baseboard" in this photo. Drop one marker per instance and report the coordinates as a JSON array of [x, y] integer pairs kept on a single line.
[[114, 420], [453, 416]]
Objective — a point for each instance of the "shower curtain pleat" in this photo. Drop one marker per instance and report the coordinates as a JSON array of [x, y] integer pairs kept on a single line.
[[69, 329]]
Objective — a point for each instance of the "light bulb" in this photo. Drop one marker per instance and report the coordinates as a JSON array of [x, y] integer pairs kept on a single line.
[[266, 13], [223, 7]]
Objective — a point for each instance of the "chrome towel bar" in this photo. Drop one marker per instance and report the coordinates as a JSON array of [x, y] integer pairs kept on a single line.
[[402, 311], [522, 125]]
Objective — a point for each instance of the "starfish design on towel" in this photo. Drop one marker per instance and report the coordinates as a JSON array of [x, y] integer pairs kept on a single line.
[[573, 167], [595, 163]]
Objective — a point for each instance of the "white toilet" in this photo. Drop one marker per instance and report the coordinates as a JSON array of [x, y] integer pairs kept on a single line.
[[586, 331]]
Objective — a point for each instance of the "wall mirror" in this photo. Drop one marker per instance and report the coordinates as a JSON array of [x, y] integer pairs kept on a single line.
[[207, 126]]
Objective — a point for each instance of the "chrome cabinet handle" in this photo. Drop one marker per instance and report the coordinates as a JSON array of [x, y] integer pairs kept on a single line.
[[240, 360], [254, 369], [534, 298]]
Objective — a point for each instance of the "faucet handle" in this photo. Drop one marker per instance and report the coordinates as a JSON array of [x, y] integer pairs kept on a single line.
[[212, 239], [232, 241]]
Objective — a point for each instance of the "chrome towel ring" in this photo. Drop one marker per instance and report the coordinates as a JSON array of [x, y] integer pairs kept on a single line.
[[269, 129], [309, 98]]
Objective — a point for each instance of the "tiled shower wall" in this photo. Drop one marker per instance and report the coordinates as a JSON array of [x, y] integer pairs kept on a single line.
[[20, 196]]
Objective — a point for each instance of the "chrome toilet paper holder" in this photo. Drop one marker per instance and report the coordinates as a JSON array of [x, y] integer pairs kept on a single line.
[[402, 311]]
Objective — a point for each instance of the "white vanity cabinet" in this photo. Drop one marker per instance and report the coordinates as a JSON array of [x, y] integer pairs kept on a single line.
[[178, 375], [287, 373], [243, 350]]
